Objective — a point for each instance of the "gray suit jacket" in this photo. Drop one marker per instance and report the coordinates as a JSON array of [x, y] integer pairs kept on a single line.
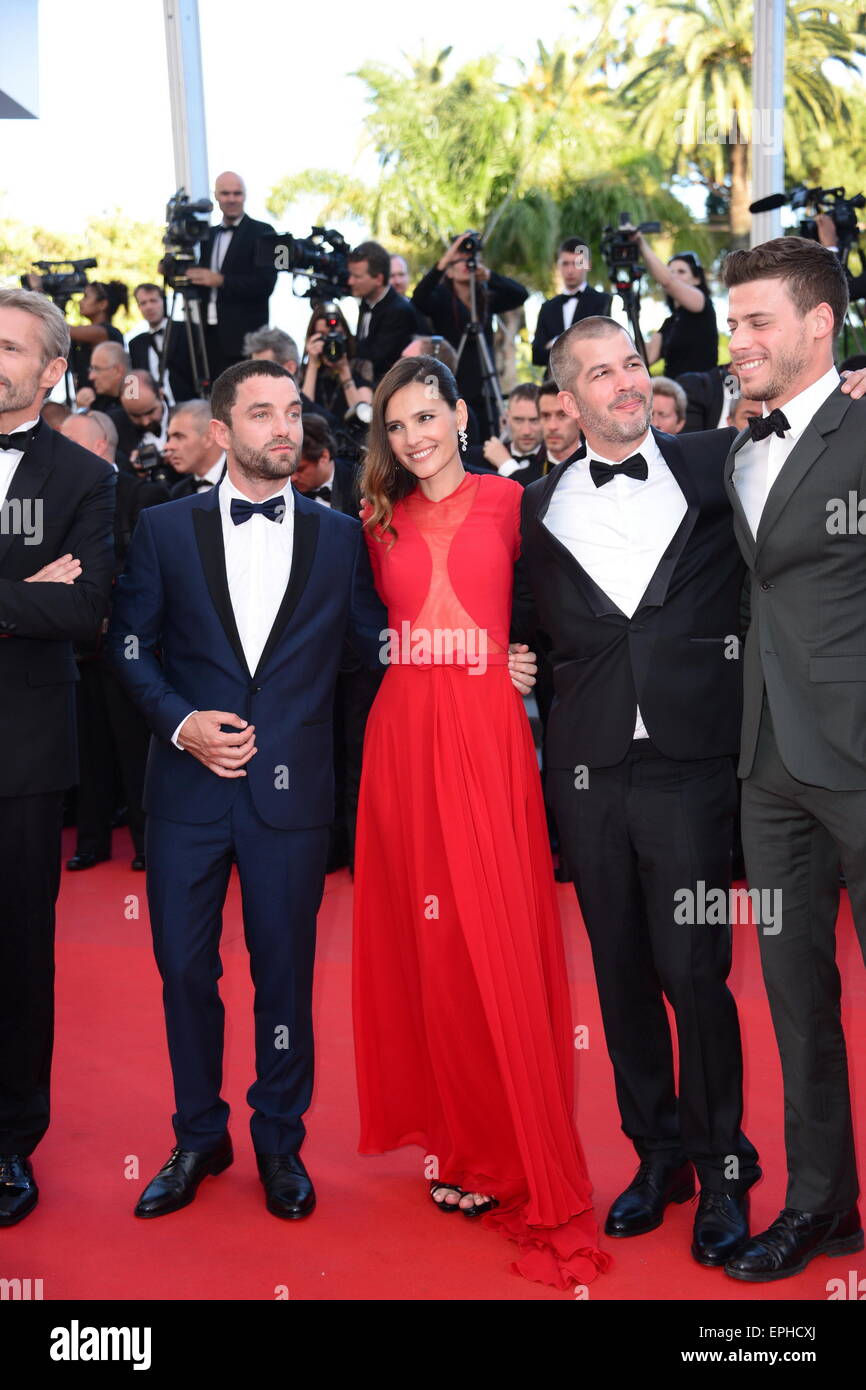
[[807, 640]]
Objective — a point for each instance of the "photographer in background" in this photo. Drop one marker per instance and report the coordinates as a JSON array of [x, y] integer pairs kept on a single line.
[[386, 320], [144, 430], [145, 349], [688, 340], [329, 355], [236, 291], [445, 296], [829, 237]]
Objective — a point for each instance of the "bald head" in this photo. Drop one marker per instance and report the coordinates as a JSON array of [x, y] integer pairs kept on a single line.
[[94, 431], [230, 192]]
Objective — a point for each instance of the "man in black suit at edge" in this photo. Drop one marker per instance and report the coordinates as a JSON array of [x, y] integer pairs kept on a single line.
[[146, 349], [796, 480], [56, 563], [630, 558], [235, 291], [386, 321], [579, 300]]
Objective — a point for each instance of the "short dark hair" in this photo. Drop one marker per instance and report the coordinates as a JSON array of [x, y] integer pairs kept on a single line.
[[572, 243], [317, 439], [377, 258], [154, 289], [525, 391], [813, 274], [225, 388], [548, 388], [596, 326]]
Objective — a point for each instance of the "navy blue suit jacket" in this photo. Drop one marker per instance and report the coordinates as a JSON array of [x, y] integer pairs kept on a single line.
[[175, 645]]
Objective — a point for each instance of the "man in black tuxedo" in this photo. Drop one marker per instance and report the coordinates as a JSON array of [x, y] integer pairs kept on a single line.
[[192, 451], [522, 457], [629, 553], [146, 349], [56, 562], [578, 300], [710, 396], [386, 322], [112, 736], [795, 480], [235, 290]]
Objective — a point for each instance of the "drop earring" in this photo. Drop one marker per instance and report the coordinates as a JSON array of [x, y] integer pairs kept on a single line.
[[464, 442]]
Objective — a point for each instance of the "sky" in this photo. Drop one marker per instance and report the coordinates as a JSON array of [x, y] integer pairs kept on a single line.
[[278, 96]]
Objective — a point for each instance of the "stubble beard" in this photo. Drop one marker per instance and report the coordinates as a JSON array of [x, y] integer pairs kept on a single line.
[[788, 367], [18, 397], [606, 427], [261, 466]]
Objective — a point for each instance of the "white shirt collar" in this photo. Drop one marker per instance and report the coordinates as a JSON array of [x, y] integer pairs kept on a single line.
[[799, 410], [214, 473]]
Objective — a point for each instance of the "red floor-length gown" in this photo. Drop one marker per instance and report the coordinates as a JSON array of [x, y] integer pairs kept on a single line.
[[462, 1017]]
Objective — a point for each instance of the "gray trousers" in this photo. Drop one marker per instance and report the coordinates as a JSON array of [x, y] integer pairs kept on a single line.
[[795, 837]]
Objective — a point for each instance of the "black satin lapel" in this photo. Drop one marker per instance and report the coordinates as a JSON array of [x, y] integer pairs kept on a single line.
[[808, 449], [27, 483], [306, 532], [600, 604], [209, 537], [656, 591]]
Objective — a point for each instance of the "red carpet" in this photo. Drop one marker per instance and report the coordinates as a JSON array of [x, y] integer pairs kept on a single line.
[[375, 1234]]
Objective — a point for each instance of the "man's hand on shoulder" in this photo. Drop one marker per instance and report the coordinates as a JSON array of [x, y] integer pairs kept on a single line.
[[854, 384]]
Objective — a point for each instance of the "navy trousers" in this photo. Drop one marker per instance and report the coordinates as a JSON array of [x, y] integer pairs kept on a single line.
[[282, 874]]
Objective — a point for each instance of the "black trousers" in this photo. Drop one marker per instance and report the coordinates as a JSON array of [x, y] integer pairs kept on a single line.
[[640, 838], [113, 738], [29, 883], [794, 838]]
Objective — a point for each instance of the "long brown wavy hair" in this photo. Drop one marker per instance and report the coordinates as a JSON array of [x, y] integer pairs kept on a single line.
[[384, 481]]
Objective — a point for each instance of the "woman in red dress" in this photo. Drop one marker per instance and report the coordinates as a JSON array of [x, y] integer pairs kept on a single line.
[[462, 1018]]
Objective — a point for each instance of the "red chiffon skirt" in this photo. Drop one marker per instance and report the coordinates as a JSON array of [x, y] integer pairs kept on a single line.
[[462, 1017]]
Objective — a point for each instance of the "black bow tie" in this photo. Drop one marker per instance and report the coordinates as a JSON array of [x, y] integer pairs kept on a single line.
[[634, 467], [19, 440], [761, 426], [241, 510], [323, 492], [199, 483], [575, 294], [523, 458]]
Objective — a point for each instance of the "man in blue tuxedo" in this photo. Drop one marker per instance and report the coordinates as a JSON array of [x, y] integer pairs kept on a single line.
[[248, 591]]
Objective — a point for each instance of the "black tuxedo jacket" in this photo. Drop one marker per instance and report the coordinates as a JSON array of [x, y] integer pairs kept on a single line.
[[71, 493], [705, 392], [243, 300], [550, 322], [392, 328], [677, 656], [180, 377], [133, 495], [806, 644]]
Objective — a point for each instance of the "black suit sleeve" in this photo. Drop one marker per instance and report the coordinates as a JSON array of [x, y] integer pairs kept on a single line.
[[504, 294], [393, 330], [543, 334], [425, 297], [252, 282], [70, 612], [524, 618]]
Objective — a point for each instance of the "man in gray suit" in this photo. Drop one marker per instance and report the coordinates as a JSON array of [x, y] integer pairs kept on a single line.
[[795, 480]]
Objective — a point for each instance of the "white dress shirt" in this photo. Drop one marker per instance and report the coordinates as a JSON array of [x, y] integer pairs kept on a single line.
[[329, 482], [513, 465], [221, 242], [258, 555], [759, 462], [569, 308], [367, 313], [214, 473], [10, 459], [618, 532], [154, 352]]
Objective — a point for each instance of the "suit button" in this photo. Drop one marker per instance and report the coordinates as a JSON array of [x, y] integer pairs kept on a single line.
[[257, 690], [765, 585]]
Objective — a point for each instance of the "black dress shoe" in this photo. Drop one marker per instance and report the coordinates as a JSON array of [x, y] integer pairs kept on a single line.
[[641, 1207], [794, 1239], [177, 1182], [288, 1189], [86, 861], [139, 862], [721, 1227], [18, 1191]]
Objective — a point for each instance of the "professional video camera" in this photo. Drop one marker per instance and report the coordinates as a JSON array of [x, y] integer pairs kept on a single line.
[[322, 259], [621, 252], [186, 224], [814, 201], [60, 280]]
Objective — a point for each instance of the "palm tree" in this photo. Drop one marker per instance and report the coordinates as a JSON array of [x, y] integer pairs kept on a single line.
[[692, 95]]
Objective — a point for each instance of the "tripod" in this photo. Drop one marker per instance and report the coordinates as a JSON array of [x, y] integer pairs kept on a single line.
[[194, 336], [474, 332], [629, 292]]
